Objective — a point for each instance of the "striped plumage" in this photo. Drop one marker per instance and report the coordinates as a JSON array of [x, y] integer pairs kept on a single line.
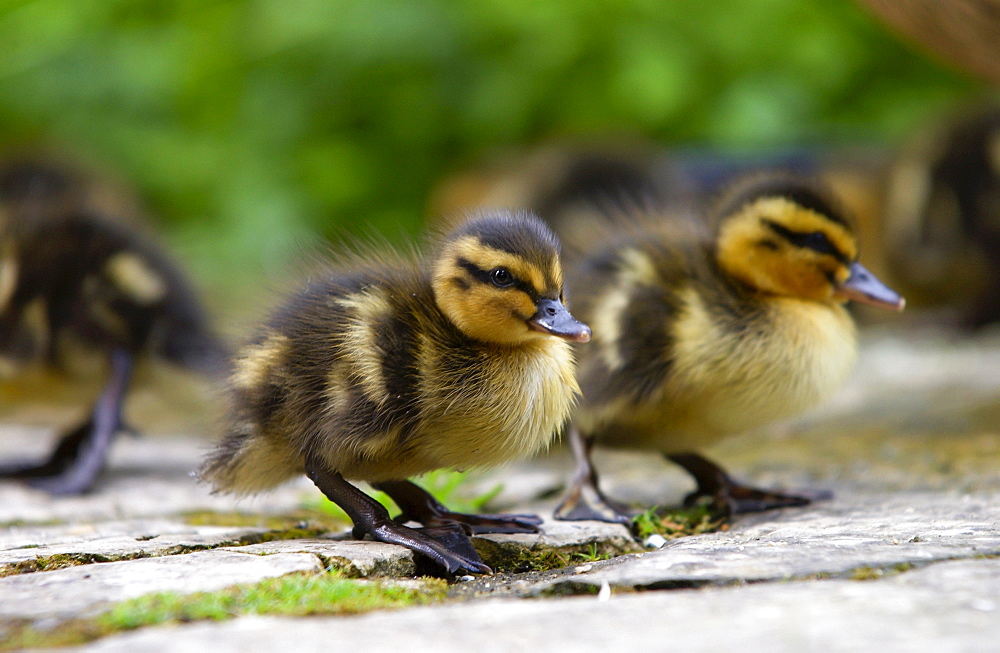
[[698, 336], [381, 370]]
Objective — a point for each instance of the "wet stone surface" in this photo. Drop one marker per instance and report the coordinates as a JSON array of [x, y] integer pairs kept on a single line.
[[907, 554]]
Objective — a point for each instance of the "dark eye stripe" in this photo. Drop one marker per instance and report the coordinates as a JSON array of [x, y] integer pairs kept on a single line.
[[485, 276], [814, 240]]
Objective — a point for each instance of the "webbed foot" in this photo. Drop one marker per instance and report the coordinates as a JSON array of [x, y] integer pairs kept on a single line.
[[729, 497], [418, 505], [585, 501], [446, 544], [78, 459]]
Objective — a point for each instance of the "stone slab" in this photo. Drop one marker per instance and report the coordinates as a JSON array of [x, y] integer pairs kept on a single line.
[[113, 540], [829, 538], [356, 558], [952, 606], [82, 590]]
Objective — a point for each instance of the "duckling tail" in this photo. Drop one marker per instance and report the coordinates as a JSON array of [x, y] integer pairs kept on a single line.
[[248, 460]]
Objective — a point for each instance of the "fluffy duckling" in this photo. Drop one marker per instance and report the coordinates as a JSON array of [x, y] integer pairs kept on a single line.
[[697, 338], [76, 286], [385, 369]]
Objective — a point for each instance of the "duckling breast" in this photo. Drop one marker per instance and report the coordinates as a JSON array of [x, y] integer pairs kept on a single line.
[[496, 405], [727, 378], [794, 354]]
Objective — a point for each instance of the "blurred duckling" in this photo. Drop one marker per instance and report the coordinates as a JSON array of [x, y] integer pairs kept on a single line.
[[76, 286], [699, 337], [942, 215], [389, 367], [559, 180]]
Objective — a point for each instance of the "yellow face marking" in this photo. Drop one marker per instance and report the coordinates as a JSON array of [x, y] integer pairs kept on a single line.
[[360, 343], [256, 361], [783, 268], [135, 278], [796, 218], [482, 310], [488, 258]]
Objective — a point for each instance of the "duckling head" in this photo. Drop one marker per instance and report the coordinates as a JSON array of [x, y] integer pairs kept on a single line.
[[498, 278], [783, 236]]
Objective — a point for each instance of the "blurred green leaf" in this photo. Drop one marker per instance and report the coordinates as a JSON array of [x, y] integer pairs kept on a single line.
[[251, 123]]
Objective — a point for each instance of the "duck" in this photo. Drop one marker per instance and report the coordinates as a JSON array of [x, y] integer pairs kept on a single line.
[[386, 365], [703, 332], [86, 296], [559, 180]]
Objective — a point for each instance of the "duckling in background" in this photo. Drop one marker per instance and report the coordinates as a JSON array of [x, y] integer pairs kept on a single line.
[[699, 337], [76, 286], [942, 215], [558, 181], [389, 367]]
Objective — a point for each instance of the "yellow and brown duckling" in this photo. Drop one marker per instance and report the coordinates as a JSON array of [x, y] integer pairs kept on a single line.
[[383, 369], [76, 285], [699, 337]]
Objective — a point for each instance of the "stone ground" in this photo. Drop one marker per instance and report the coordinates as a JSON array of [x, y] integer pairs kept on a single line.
[[906, 556]]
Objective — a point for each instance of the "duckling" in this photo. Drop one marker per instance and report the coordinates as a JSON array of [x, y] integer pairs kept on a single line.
[[942, 215], [382, 369], [78, 290], [560, 180], [699, 337]]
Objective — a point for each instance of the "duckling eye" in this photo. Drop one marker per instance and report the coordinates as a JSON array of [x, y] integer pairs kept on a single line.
[[818, 241], [501, 277]]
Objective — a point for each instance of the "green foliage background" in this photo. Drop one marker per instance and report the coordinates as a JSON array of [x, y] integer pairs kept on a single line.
[[248, 124]]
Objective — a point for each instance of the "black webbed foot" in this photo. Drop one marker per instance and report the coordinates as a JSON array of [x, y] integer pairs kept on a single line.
[[585, 501], [78, 459], [728, 497], [419, 506], [446, 544], [58, 461]]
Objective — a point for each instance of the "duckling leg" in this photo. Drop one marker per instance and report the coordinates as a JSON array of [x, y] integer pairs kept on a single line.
[[75, 464], [370, 517], [418, 505], [585, 499], [731, 497]]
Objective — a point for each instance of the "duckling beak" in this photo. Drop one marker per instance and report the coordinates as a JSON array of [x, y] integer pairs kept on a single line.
[[864, 287], [553, 318]]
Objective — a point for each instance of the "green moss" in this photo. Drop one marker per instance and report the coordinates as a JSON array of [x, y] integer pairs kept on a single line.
[[672, 524], [515, 559], [867, 573], [875, 573], [294, 595], [21, 523], [61, 561]]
